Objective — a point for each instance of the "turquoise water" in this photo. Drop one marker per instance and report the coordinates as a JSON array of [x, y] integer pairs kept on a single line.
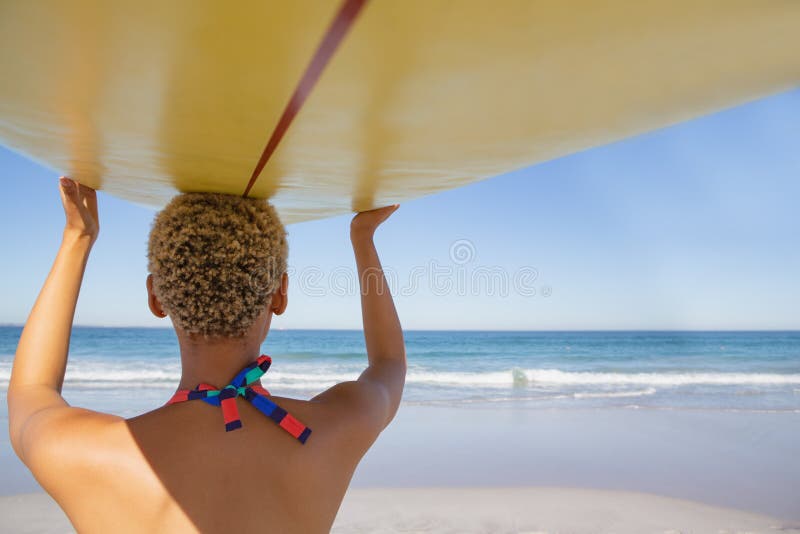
[[129, 370]]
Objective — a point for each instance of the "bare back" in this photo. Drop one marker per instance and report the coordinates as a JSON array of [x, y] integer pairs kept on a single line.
[[175, 469]]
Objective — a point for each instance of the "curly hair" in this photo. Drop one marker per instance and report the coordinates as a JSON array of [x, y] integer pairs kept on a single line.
[[216, 260]]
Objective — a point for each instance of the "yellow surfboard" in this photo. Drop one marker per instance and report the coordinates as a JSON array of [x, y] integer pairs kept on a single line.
[[146, 98]]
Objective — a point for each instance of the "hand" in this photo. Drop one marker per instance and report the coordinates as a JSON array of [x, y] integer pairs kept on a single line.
[[80, 209], [365, 222]]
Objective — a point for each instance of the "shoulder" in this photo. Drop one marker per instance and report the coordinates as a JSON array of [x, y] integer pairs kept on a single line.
[[67, 447], [357, 407]]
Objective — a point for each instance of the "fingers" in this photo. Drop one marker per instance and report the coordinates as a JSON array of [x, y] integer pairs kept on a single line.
[[83, 196], [67, 186], [391, 209], [385, 210], [69, 183], [69, 195], [80, 208], [88, 197], [73, 188], [366, 222]]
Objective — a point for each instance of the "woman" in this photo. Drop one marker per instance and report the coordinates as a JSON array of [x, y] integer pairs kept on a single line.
[[265, 463]]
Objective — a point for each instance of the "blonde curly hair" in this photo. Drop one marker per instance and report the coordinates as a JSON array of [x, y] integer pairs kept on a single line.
[[216, 260]]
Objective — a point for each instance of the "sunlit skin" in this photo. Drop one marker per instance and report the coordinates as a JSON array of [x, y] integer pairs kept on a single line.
[[175, 469]]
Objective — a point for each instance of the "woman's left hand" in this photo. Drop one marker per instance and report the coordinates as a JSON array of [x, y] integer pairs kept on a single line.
[[80, 209]]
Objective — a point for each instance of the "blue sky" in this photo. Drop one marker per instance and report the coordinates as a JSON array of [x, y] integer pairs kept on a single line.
[[694, 226]]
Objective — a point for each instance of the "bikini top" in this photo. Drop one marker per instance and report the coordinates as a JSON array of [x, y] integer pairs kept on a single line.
[[255, 394]]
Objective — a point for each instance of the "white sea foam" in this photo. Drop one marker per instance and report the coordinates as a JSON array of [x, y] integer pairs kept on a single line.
[[541, 397], [555, 377], [615, 394], [87, 374]]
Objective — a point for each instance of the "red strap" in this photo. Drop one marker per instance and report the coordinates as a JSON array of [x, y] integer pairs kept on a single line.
[[179, 396], [258, 389], [330, 42], [292, 425], [230, 412]]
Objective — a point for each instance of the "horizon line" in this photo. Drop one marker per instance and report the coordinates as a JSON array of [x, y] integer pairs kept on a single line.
[[793, 330]]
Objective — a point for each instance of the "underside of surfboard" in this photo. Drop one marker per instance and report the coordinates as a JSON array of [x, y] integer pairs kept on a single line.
[[143, 99]]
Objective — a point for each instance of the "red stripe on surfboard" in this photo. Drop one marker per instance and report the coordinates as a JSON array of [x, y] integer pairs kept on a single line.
[[333, 37]]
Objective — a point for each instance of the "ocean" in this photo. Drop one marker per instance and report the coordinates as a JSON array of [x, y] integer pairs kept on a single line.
[[131, 370]]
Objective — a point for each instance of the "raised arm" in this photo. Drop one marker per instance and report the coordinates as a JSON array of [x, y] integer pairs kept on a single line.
[[35, 406], [375, 396], [382, 332]]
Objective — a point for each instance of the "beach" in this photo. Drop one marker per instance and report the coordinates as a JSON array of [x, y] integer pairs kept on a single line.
[[484, 469], [700, 441], [468, 510]]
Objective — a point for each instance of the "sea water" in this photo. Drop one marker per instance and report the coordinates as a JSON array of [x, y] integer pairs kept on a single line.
[[131, 370]]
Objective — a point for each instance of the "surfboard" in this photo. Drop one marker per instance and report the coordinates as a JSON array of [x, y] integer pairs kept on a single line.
[[347, 105]]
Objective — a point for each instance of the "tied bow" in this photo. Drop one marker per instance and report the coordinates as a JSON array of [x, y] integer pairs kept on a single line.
[[256, 395]]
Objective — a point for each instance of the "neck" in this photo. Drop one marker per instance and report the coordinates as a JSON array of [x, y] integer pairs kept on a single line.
[[215, 362]]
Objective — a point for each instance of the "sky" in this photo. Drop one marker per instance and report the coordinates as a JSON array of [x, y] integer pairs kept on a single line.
[[695, 226]]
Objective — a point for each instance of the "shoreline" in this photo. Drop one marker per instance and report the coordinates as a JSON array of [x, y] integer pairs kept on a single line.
[[529, 509]]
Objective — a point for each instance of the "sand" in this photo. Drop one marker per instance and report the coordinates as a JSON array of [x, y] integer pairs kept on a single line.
[[471, 510], [730, 461]]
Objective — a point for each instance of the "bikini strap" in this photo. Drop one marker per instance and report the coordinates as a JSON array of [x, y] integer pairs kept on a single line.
[[256, 395]]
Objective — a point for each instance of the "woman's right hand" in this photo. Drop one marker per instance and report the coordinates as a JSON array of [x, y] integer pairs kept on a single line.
[[80, 210], [364, 223]]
